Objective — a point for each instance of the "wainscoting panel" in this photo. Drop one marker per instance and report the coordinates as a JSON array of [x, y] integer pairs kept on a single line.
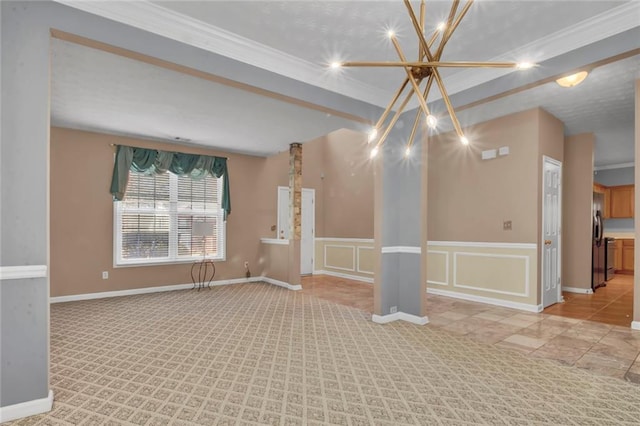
[[345, 257], [501, 271], [438, 267]]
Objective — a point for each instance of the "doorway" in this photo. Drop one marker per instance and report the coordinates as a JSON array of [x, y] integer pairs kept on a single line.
[[308, 225], [551, 219]]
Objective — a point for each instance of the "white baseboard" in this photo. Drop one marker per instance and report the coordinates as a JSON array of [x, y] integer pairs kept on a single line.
[[341, 275], [25, 409], [403, 316], [281, 283], [488, 300], [635, 325], [577, 290], [145, 290]]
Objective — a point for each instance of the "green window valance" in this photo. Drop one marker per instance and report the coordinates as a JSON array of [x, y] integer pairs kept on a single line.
[[152, 161]]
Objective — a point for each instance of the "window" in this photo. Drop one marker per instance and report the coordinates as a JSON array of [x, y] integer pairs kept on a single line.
[[155, 220]]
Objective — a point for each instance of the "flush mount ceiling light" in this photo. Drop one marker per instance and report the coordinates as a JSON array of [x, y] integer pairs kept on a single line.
[[424, 69], [573, 79]]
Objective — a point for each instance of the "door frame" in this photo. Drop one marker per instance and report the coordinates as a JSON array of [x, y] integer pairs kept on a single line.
[[548, 160], [312, 191]]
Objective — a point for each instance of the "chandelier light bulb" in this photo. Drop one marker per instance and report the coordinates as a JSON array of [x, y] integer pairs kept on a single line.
[[441, 26], [525, 65], [391, 33], [464, 140], [336, 65], [432, 121], [373, 133], [407, 152], [374, 152]]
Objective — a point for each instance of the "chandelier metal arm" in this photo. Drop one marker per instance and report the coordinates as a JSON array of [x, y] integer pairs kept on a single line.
[[416, 26], [384, 115], [418, 115], [414, 83], [422, 25], [430, 64], [449, 30], [396, 116], [447, 102]]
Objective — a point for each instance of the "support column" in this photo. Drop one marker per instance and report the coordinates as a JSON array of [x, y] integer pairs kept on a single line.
[[24, 212], [295, 211], [400, 232]]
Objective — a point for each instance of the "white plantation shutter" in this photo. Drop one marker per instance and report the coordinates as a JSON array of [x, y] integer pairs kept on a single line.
[[154, 221]]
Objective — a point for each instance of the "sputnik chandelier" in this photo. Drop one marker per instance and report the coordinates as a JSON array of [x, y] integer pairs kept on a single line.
[[424, 69]]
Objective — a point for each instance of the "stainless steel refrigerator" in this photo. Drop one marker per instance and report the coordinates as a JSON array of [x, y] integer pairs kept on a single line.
[[599, 246]]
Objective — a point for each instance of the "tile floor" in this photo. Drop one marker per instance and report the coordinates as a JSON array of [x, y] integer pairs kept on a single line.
[[606, 349], [612, 304]]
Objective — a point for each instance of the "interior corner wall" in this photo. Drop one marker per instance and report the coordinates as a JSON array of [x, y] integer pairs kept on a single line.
[[470, 198], [636, 278], [337, 167], [551, 144], [348, 186], [82, 217], [577, 194]]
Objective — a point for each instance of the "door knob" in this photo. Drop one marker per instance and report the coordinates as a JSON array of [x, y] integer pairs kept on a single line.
[[547, 242]]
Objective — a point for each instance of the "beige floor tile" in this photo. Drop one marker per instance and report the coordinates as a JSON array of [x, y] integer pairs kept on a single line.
[[540, 331], [453, 315], [522, 322], [515, 347], [611, 349], [526, 341], [567, 356], [607, 366], [489, 315]]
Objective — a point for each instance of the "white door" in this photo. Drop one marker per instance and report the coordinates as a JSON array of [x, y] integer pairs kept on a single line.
[[551, 220], [308, 224], [306, 239]]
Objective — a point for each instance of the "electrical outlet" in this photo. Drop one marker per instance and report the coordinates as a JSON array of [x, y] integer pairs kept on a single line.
[[393, 309], [246, 264], [506, 225], [105, 275]]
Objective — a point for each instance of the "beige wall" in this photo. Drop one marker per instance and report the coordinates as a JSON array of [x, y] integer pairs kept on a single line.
[[551, 143], [348, 186], [274, 261], [577, 182], [470, 198], [337, 167], [82, 217]]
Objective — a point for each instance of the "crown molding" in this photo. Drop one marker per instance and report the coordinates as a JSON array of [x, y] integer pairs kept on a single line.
[[184, 29], [614, 166], [591, 30], [173, 25]]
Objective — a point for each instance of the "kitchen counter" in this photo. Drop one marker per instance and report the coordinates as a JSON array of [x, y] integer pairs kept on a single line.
[[621, 235]]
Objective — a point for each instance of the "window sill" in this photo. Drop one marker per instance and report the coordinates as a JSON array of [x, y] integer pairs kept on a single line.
[[167, 262]]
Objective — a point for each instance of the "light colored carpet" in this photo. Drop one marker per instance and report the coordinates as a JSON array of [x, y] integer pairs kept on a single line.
[[259, 354]]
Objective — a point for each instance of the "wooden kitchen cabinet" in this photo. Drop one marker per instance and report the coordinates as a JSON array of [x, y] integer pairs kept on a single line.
[[622, 199], [617, 258], [627, 256], [606, 191]]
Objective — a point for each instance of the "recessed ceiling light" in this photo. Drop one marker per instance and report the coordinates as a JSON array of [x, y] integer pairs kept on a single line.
[[573, 79]]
